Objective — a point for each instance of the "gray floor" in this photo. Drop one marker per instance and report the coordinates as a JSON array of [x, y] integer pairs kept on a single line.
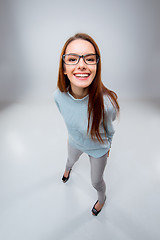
[[36, 205]]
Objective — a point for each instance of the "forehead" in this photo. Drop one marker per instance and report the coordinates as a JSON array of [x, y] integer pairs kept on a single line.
[[80, 47]]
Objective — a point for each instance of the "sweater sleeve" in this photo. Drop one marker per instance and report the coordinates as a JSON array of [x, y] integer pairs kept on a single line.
[[109, 117]]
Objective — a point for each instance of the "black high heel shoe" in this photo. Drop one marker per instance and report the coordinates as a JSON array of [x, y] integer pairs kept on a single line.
[[95, 212], [65, 179]]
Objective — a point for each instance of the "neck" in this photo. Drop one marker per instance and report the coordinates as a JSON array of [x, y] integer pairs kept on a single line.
[[78, 93]]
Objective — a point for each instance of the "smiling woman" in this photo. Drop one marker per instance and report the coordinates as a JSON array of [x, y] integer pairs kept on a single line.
[[88, 109]]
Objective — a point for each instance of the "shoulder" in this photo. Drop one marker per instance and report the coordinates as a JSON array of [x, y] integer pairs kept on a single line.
[[56, 94], [108, 104], [109, 107], [59, 96]]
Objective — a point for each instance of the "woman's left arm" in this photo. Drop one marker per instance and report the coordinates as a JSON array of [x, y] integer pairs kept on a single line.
[[109, 117]]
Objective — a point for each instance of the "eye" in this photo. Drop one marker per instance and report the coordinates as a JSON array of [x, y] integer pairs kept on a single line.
[[71, 59], [90, 59]]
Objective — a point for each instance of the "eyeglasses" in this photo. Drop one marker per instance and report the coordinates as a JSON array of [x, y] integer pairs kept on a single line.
[[73, 59]]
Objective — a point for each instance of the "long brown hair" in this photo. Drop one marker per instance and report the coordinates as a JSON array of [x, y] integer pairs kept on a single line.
[[96, 90]]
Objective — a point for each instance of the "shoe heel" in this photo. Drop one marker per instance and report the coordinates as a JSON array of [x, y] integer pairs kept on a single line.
[[65, 179]]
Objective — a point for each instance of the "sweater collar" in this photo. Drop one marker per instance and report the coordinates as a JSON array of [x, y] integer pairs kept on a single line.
[[78, 99]]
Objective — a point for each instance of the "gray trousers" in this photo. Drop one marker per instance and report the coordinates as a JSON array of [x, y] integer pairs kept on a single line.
[[97, 170]]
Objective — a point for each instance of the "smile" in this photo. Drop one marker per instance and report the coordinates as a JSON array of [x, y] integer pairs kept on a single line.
[[82, 75]]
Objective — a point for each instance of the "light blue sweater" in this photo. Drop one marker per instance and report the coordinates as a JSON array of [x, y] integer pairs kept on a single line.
[[74, 112]]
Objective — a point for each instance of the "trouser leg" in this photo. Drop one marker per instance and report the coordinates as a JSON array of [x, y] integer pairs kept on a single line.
[[97, 170], [73, 156]]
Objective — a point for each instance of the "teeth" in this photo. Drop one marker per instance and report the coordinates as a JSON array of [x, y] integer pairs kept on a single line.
[[81, 75]]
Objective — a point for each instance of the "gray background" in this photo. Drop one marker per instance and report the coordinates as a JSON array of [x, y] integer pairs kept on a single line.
[[33, 33], [34, 203]]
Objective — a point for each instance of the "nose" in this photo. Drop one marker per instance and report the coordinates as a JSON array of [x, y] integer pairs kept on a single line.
[[81, 64]]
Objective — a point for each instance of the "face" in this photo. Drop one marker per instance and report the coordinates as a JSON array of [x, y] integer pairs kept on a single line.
[[80, 75]]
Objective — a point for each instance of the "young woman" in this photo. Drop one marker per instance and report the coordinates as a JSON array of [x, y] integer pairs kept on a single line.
[[88, 109]]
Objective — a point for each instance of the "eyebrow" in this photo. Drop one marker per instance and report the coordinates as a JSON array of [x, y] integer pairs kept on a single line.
[[81, 55]]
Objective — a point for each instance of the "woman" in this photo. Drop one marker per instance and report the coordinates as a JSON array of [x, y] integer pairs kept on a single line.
[[88, 109]]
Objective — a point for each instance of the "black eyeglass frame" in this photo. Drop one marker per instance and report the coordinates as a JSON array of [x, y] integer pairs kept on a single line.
[[81, 56]]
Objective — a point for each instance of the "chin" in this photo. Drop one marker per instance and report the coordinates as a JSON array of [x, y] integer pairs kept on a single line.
[[83, 84]]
